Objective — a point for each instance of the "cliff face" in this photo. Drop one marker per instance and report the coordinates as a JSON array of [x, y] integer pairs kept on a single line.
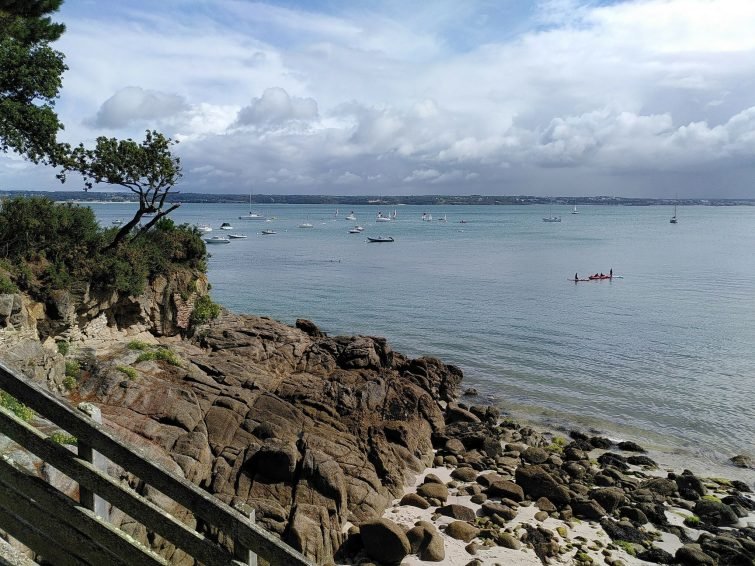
[[310, 431]]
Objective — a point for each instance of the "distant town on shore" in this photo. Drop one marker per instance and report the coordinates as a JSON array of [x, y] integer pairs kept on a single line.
[[387, 200]]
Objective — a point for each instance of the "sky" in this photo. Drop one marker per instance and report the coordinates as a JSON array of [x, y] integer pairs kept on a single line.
[[635, 98]]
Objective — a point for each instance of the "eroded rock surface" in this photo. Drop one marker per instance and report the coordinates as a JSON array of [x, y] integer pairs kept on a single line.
[[309, 430]]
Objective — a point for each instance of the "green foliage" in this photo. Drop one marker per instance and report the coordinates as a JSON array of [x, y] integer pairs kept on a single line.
[[70, 383], [51, 246], [72, 369], [137, 345], [710, 497], [63, 347], [14, 406], [692, 521], [30, 79], [129, 371], [7, 286], [161, 354], [204, 310], [627, 546], [64, 438], [558, 444], [147, 168]]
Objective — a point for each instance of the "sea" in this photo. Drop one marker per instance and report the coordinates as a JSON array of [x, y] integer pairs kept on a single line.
[[662, 354]]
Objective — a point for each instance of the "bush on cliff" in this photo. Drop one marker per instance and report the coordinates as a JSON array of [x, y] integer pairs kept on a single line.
[[204, 310], [52, 246]]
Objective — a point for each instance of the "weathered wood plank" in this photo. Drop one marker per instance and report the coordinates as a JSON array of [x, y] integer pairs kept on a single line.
[[17, 527], [121, 496], [69, 521], [199, 502]]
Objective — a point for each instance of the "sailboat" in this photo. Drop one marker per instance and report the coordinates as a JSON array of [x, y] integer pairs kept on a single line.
[[673, 218], [351, 216], [574, 210], [551, 218], [251, 215], [306, 224]]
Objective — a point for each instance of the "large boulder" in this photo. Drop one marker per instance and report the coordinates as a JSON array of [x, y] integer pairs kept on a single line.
[[384, 540], [536, 482]]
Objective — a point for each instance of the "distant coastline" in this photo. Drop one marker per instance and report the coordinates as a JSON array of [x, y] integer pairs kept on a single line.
[[102, 197]]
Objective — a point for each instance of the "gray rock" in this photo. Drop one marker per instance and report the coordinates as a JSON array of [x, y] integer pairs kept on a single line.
[[461, 530], [507, 489], [459, 512], [610, 498], [433, 491], [384, 540], [535, 455], [508, 540], [589, 509], [414, 500], [742, 461], [464, 474], [715, 513], [693, 555]]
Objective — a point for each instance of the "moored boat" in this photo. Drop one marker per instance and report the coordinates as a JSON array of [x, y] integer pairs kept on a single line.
[[217, 240], [380, 239]]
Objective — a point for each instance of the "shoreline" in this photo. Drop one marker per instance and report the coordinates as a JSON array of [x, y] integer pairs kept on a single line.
[[509, 539], [664, 449]]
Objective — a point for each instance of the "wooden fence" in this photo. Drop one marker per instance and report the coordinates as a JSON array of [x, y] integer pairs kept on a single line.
[[65, 531]]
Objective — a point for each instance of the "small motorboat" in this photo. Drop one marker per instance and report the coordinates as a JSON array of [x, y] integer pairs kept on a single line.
[[351, 216], [355, 231], [381, 218], [237, 236], [268, 232], [380, 239], [117, 222], [306, 225], [226, 226], [217, 240], [552, 219], [204, 228]]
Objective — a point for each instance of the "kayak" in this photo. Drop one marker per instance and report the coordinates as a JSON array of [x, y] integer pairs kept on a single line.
[[596, 278]]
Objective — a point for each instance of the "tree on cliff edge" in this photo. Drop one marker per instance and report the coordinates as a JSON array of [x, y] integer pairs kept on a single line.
[[148, 169], [30, 79]]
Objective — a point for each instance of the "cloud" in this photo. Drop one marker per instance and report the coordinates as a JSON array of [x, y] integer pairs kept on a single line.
[[134, 105], [468, 97], [276, 107]]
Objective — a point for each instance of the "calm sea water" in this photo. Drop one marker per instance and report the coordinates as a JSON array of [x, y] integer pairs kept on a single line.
[[663, 356]]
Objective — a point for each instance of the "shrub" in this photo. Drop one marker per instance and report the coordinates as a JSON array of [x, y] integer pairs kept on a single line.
[[63, 347], [72, 369], [64, 438], [130, 372], [14, 406], [69, 382], [204, 310], [161, 354], [51, 246], [137, 345], [7, 286]]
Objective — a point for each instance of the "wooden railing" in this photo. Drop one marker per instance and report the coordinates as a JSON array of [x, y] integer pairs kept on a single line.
[[65, 531]]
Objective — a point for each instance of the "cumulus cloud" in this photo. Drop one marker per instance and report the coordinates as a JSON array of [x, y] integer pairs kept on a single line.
[[134, 105], [460, 97], [276, 107]]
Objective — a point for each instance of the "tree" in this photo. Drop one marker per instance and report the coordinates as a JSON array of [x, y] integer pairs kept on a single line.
[[30, 79], [148, 169]]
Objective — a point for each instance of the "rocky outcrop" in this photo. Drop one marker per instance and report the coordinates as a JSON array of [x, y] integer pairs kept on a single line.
[[83, 312], [310, 431]]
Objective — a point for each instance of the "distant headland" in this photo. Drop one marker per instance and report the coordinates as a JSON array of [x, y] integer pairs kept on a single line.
[[388, 200]]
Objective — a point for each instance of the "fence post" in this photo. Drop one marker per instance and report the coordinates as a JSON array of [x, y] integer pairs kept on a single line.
[[87, 498], [240, 553]]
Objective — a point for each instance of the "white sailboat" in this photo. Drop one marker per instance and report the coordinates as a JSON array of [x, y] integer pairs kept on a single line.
[[551, 218], [574, 210], [381, 218], [351, 216], [673, 218], [306, 224], [252, 215]]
